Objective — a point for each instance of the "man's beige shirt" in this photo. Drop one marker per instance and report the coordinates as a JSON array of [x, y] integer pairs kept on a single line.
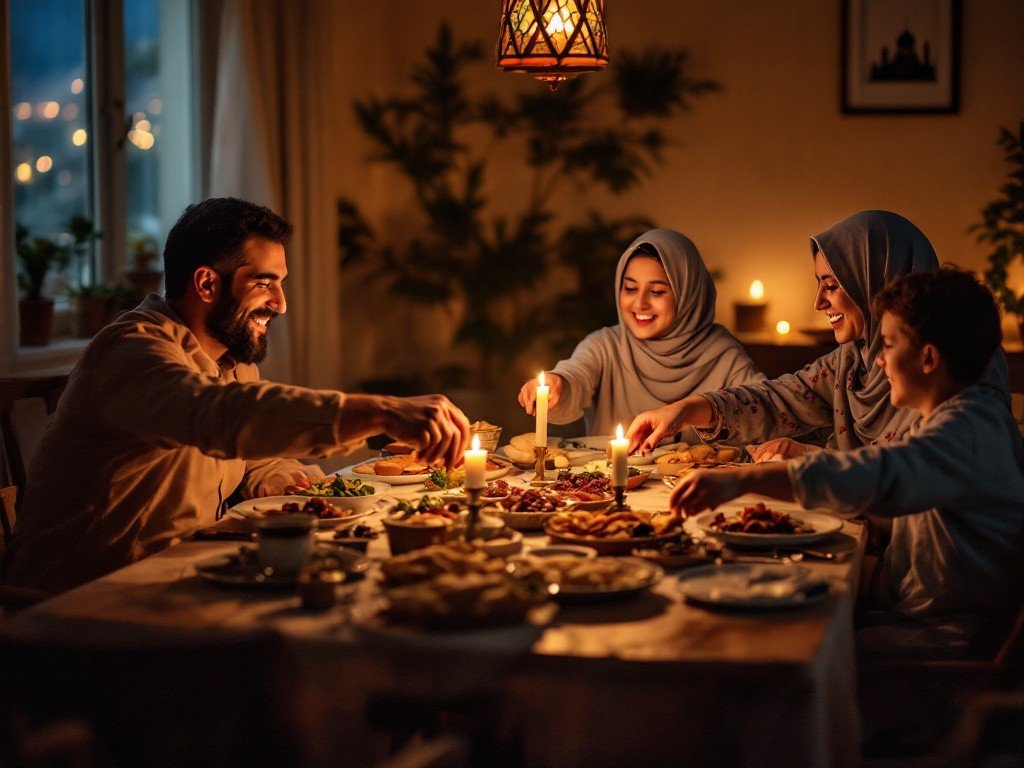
[[149, 439]]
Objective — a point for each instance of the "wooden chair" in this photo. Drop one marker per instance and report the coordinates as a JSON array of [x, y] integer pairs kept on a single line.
[[162, 697], [25, 408], [909, 707]]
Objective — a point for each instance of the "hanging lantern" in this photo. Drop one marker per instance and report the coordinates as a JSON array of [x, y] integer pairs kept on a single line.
[[552, 40]]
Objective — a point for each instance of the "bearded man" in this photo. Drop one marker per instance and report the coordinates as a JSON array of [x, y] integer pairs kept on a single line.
[[165, 415]]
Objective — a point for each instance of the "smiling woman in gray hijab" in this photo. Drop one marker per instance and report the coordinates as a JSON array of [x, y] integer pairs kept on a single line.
[[654, 355], [843, 390]]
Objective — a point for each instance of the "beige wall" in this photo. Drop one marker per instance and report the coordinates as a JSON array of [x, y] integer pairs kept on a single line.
[[753, 170]]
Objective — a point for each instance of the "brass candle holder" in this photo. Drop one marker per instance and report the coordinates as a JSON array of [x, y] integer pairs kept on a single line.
[[473, 505], [540, 457], [620, 498]]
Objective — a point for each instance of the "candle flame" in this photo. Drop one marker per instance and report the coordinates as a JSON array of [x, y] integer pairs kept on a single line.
[[618, 432], [476, 443], [540, 378], [782, 327], [757, 290]]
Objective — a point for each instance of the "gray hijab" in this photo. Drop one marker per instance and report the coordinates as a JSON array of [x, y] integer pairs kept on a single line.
[[865, 251], [694, 355]]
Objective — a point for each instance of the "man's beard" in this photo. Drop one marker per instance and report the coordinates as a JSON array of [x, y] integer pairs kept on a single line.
[[229, 324]]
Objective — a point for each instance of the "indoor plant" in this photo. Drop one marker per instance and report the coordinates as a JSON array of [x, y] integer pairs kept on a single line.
[[37, 256], [487, 264], [1002, 226]]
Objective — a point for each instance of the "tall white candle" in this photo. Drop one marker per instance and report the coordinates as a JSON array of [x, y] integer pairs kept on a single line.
[[541, 436], [475, 464], [620, 462]]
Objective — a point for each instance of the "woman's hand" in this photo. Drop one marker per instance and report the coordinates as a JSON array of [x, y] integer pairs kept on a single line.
[[651, 427], [780, 449], [706, 489], [528, 394]]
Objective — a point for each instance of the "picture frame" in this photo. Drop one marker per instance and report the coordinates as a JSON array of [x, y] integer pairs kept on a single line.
[[900, 56]]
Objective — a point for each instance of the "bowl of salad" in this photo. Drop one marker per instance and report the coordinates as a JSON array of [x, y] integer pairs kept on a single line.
[[348, 492]]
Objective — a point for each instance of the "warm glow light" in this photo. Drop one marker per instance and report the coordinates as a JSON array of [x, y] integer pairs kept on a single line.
[[475, 444], [77, 85], [757, 290], [50, 110], [618, 432], [79, 137], [23, 111], [540, 379], [154, 106], [552, 40], [44, 163], [141, 139], [23, 173], [144, 125], [782, 327]]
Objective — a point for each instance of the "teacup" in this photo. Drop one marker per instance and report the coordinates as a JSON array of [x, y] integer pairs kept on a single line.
[[284, 543]]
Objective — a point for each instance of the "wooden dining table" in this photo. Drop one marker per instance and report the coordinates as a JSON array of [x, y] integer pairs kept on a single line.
[[647, 680]]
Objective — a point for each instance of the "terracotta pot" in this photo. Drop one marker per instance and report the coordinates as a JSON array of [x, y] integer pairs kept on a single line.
[[93, 314], [35, 317]]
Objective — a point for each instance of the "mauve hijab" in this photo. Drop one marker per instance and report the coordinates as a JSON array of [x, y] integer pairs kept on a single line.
[[866, 251], [694, 355]]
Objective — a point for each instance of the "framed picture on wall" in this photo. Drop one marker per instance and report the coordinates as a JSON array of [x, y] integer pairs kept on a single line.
[[901, 56]]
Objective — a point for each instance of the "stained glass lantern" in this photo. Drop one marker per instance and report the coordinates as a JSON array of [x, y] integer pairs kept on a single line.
[[552, 40]]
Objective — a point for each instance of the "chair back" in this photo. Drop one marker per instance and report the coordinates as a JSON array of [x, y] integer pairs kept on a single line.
[[25, 409], [162, 697]]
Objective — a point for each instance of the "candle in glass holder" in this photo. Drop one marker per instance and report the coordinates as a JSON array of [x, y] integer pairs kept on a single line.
[[475, 465], [752, 315], [620, 458], [541, 436]]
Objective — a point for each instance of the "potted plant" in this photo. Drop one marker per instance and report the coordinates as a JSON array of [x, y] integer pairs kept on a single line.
[[481, 257], [1002, 226], [142, 280], [96, 305], [37, 256]]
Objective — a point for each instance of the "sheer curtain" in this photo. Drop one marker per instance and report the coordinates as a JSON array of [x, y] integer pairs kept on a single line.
[[265, 147]]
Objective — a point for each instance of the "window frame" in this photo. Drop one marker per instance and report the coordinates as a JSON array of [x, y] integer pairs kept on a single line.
[[105, 67]]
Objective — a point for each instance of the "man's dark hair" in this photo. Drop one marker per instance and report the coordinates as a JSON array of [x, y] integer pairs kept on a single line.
[[950, 309], [213, 234]]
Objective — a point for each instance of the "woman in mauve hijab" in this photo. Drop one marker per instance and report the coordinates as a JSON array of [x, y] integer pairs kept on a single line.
[[666, 345], [843, 390]]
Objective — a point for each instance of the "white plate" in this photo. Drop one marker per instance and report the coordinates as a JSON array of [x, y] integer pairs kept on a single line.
[[513, 639], [578, 593], [600, 443], [363, 506], [824, 525], [494, 474], [232, 570], [739, 585]]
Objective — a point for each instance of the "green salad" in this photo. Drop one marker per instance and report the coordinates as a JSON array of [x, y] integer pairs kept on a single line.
[[337, 486]]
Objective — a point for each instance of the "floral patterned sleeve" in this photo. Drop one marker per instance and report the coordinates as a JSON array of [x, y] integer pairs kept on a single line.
[[789, 406]]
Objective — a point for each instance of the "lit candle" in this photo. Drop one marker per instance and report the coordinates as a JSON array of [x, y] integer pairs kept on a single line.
[[782, 327], [752, 315], [620, 454], [475, 465], [541, 437]]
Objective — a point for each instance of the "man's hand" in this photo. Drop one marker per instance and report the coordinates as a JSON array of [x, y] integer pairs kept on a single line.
[[437, 428], [528, 394], [280, 485], [780, 449], [651, 427], [706, 489]]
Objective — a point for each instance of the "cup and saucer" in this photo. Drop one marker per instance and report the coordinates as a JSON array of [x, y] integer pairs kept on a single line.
[[284, 546]]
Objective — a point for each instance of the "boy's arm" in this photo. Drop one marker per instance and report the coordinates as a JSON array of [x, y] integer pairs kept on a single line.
[[933, 468]]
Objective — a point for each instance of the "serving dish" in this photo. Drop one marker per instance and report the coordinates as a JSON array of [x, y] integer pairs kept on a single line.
[[822, 526], [740, 585], [360, 506]]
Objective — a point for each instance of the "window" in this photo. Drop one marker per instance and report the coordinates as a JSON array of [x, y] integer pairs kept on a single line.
[[101, 125]]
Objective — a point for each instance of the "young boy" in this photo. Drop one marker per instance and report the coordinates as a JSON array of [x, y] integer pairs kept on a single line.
[[950, 579]]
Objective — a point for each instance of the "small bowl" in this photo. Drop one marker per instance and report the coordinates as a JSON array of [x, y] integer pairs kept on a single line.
[[489, 438], [505, 544], [405, 537]]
